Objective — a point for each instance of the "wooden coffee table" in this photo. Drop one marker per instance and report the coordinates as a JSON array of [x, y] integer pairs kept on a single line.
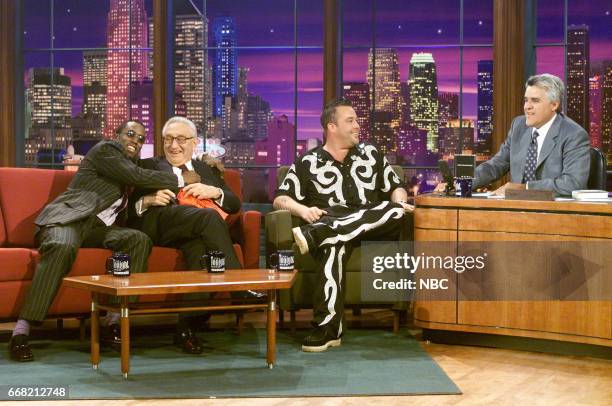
[[152, 283]]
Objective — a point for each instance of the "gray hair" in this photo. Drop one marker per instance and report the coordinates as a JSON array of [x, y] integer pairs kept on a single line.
[[182, 120], [554, 87]]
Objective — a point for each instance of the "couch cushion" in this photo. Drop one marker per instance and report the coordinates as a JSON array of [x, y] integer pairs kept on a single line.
[[23, 194], [17, 264], [164, 259], [2, 229]]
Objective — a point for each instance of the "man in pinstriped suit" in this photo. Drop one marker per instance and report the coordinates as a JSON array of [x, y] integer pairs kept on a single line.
[[83, 216]]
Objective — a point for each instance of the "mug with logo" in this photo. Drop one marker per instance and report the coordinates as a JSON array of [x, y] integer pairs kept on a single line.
[[118, 264], [213, 261], [282, 260], [465, 186]]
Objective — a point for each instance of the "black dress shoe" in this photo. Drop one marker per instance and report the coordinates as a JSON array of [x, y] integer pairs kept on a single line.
[[111, 335], [188, 342], [249, 294], [19, 348]]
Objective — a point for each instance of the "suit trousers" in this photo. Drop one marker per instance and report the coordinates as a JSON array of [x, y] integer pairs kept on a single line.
[[336, 235], [194, 231], [58, 248]]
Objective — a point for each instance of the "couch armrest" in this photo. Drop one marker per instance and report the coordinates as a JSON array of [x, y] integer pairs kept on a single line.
[[250, 224], [278, 230]]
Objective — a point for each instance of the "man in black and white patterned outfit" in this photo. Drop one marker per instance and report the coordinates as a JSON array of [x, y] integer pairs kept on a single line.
[[346, 192]]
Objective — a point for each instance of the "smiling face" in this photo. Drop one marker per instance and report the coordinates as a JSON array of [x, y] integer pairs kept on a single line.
[[537, 107], [345, 130], [179, 143], [132, 137]]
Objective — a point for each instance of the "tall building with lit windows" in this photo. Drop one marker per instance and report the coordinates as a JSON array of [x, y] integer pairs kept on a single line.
[[94, 91], [225, 68], [126, 27], [50, 97], [606, 111], [141, 105], [484, 116], [448, 106], [595, 110], [359, 96], [384, 83], [578, 74], [423, 85]]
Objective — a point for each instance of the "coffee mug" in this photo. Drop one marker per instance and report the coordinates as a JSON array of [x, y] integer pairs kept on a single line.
[[465, 186], [118, 264], [213, 261], [282, 260]]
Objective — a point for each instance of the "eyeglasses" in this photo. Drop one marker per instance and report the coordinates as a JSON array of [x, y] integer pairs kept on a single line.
[[181, 140], [131, 133]]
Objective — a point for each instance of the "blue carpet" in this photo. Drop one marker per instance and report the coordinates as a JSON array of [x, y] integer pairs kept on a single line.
[[369, 362]]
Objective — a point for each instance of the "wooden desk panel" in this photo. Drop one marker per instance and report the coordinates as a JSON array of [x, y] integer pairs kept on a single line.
[[500, 220]]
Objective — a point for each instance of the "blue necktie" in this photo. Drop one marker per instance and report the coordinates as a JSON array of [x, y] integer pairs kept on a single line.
[[532, 159]]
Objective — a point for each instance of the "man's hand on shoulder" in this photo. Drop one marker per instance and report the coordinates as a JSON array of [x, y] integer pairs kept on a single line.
[[159, 198], [311, 214]]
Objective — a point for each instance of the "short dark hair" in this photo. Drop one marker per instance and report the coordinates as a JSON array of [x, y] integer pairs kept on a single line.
[[329, 112], [123, 125]]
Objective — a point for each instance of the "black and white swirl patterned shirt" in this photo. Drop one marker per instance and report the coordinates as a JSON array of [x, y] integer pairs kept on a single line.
[[317, 179]]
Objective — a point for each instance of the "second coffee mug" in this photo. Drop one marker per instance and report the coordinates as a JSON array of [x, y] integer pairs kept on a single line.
[[282, 260], [213, 261]]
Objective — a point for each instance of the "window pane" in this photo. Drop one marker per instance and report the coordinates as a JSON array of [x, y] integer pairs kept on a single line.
[[549, 21], [36, 24], [589, 47], [253, 23], [551, 60], [417, 22], [310, 23], [478, 21], [79, 24], [477, 102], [310, 99], [358, 22]]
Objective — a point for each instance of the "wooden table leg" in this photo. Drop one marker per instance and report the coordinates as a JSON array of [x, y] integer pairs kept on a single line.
[[95, 332], [125, 336], [271, 328]]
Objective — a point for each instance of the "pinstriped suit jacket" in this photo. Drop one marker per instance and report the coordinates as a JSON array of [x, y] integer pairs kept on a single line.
[[101, 180]]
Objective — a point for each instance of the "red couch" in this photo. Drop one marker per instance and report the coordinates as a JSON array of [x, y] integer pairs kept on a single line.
[[23, 194]]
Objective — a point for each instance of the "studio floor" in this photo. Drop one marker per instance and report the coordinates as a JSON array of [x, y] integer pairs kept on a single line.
[[486, 376]]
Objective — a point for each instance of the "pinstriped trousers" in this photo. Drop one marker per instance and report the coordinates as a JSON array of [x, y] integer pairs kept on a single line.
[[336, 235], [58, 247]]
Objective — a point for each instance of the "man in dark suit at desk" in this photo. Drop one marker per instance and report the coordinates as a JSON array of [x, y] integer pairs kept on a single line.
[[544, 149], [84, 216], [193, 230]]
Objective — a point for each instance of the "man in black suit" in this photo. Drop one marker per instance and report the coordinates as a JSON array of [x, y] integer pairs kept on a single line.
[[84, 216], [193, 230]]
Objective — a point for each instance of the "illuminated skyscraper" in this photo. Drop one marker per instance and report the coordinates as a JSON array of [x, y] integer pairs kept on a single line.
[[485, 108], [225, 69], [141, 105], [50, 98], [126, 28], [423, 85], [457, 138], [595, 110], [359, 95], [94, 92], [578, 74], [384, 82], [606, 112], [448, 103]]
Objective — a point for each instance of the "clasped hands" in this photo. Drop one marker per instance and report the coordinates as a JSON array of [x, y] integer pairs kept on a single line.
[[164, 197]]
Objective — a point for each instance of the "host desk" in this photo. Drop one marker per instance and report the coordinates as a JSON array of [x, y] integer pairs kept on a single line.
[[455, 220]]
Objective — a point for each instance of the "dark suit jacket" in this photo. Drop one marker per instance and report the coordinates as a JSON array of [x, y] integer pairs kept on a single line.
[[563, 164], [209, 176], [101, 180]]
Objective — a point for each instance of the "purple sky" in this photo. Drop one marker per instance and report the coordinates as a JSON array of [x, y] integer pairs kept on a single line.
[[431, 26]]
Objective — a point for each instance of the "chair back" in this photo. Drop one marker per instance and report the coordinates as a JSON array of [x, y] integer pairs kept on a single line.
[[597, 173]]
